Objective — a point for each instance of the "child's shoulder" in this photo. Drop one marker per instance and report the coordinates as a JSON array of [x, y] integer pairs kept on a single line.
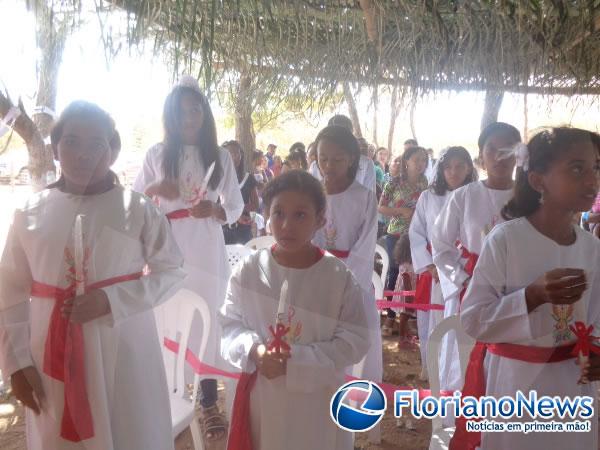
[[468, 189]]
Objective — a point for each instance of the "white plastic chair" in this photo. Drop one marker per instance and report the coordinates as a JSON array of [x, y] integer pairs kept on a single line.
[[237, 252], [440, 435], [182, 404], [260, 242], [385, 262], [377, 285]]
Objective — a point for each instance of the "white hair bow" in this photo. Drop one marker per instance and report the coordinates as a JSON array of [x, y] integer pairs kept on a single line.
[[188, 81], [9, 120], [522, 154]]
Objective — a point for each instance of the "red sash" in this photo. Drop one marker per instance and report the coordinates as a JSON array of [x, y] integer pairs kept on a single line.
[[342, 254], [469, 265], [424, 285], [179, 214], [240, 432], [475, 383], [64, 357]]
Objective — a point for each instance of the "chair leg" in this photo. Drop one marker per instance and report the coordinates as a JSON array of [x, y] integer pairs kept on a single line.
[[196, 435]]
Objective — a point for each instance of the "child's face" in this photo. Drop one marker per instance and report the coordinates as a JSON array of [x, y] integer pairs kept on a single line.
[[334, 162], [235, 155], [192, 117], [84, 153], [455, 172], [571, 182], [417, 163], [494, 163], [396, 167], [294, 220], [295, 164], [383, 156]]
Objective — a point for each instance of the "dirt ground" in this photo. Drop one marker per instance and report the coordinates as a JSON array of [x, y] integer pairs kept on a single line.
[[401, 368]]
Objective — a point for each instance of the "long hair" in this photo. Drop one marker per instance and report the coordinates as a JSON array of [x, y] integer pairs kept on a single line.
[[208, 149], [82, 110], [439, 186], [344, 139], [544, 149], [241, 168]]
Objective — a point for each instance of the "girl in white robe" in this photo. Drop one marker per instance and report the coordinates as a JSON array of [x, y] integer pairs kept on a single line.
[[318, 301], [536, 277], [467, 217], [350, 231], [175, 173], [88, 367], [453, 170]]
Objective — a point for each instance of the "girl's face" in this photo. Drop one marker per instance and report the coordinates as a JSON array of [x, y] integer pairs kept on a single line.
[[571, 182], [312, 155], [84, 153], [456, 171], [383, 157], [295, 164], [494, 163], [192, 117], [264, 163], [236, 156], [396, 167], [294, 220], [334, 162], [417, 163]]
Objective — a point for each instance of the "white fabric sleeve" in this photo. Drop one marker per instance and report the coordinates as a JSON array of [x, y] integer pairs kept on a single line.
[[15, 288], [147, 174], [488, 314], [165, 263], [237, 338], [362, 253], [315, 366], [417, 233], [445, 233], [229, 190], [370, 181]]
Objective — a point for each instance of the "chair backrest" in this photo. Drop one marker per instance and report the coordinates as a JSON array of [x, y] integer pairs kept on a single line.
[[377, 285], [260, 242], [237, 252], [465, 345], [178, 324], [385, 261]]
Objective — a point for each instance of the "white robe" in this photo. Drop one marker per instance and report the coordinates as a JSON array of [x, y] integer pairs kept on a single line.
[[352, 225], [495, 311], [427, 210], [365, 174], [468, 216], [125, 376], [328, 333], [201, 240]]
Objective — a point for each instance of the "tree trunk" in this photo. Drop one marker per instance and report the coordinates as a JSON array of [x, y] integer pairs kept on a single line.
[[525, 119], [375, 110], [491, 108], [394, 111], [244, 127], [352, 109], [413, 107]]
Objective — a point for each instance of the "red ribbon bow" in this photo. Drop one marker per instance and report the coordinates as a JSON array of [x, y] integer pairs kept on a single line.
[[278, 343], [585, 340]]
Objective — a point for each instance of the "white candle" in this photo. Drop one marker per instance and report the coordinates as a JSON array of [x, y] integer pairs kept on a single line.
[[282, 306], [78, 250]]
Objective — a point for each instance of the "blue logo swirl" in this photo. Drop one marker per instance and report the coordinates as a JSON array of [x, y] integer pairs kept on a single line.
[[366, 415]]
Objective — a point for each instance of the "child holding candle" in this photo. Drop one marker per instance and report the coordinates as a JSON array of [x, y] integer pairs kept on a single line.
[[536, 284], [77, 332], [293, 321]]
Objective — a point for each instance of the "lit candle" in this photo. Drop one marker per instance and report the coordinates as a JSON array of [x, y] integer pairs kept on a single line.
[[282, 307], [78, 250]]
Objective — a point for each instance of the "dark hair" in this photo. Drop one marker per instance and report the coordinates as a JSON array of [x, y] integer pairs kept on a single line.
[[240, 169], [544, 149], [299, 155], [341, 121], [411, 142], [296, 181], [497, 128], [81, 109], [439, 185], [208, 149], [297, 146], [344, 139], [401, 251], [408, 153]]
